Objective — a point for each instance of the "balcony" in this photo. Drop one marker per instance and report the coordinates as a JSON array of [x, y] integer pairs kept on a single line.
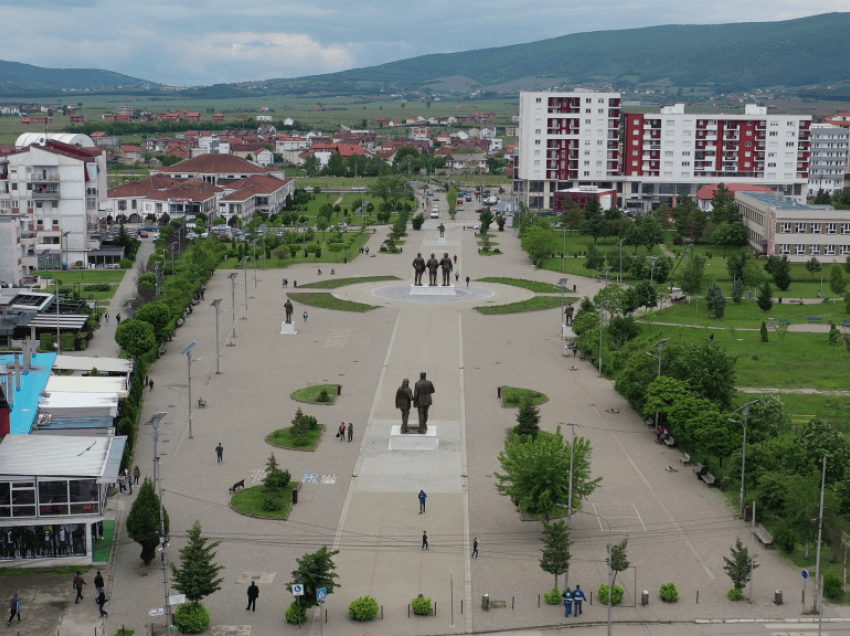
[[41, 175], [46, 194]]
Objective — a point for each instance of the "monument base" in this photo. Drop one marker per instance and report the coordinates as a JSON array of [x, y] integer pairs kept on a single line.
[[441, 240], [413, 441], [287, 329], [426, 290]]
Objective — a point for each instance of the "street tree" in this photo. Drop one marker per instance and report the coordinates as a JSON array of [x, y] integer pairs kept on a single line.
[[633, 237], [724, 209], [143, 523], [647, 294], [730, 235], [765, 298], [693, 274], [715, 300], [136, 337], [556, 549], [538, 243], [276, 478], [197, 576], [738, 567], [619, 558], [536, 472], [486, 219], [315, 570], [706, 366], [738, 289], [528, 418], [594, 221], [157, 315], [780, 269], [651, 233], [837, 283], [813, 266], [735, 263]]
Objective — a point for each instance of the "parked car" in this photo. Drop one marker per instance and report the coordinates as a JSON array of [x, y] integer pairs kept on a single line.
[[143, 234]]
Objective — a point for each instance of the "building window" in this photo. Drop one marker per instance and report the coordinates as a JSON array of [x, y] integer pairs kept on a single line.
[[801, 228], [799, 249], [845, 228], [537, 131], [829, 250], [773, 133], [586, 173], [784, 249], [668, 153], [815, 251], [790, 144], [844, 250], [536, 142], [587, 121], [831, 228], [785, 228], [537, 100]]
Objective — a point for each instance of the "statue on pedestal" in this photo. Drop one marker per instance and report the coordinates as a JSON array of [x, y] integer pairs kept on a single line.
[[422, 400], [568, 315], [433, 264], [446, 264], [418, 269], [403, 400], [442, 229], [288, 307]]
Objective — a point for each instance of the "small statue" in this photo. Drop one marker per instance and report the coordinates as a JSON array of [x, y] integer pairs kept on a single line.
[[442, 229], [418, 269], [433, 264], [568, 315], [288, 306], [446, 264], [403, 401], [422, 400]]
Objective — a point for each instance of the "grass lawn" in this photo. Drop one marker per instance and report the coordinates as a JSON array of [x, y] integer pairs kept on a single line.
[[125, 632], [282, 437], [273, 262], [328, 301], [250, 501], [487, 242], [802, 360], [747, 315], [83, 276], [532, 285], [801, 407], [513, 396], [311, 393], [495, 252], [537, 303], [333, 283]]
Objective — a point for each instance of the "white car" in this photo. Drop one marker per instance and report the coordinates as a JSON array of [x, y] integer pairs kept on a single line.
[[435, 214]]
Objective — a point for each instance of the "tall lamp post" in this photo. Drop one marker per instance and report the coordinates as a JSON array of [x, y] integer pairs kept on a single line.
[[188, 353], [233, 277], [58, 335], [217, 304], [660, 346], [820, 534], [620, 279], [563, 284], [601, 309], [746, 411], [171, 249], [605, 273], [245, 269], [154, 422], [254, 243]]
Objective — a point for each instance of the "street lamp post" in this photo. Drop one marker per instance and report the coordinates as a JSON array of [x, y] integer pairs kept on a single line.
[[245, 269], [660, 346], [652, 270], [154, 422], [217, 304], [58, 335], [233, 276], [254, 243], [601, 309], [746, 411], [605, 274], [171, 249], [188, 353], [563, 284], [620, 279], [820, 534]]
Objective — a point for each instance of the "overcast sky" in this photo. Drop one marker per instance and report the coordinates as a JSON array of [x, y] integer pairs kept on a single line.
[[207, 41]]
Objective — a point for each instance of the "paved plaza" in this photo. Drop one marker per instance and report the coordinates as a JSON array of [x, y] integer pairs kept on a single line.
[[362, 497]]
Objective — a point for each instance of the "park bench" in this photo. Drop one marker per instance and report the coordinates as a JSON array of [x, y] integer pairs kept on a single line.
[[796, 302], [709, 479], [201, 403], [670, 441], [161, 351], [685, 459], [679, 299], [238, 484], [764, 536], [784, 320], [814, 318]]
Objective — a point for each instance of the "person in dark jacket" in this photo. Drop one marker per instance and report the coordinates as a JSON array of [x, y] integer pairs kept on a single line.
[[101, 601], [578, 599], [253, 594], [98, 582]]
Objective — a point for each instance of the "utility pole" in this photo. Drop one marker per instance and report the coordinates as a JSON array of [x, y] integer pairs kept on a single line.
[[820, 534], [154, 422], [188, 353], [233, 276], [245, 269], [217, 304]]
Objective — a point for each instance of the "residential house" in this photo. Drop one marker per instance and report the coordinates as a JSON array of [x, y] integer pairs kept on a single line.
[[420, 133], [256, 152], [467, 162], [131, 154], [193, 116], [101, 138], [218, 118], [382, 122], [217, 169]]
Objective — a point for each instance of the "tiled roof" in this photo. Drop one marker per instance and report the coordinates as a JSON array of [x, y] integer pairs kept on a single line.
[[191, 190], [265, 183], [66, 150], [246, 148], [141, 189], [708, 191], [129, 148], [348, 150], [215, 164]]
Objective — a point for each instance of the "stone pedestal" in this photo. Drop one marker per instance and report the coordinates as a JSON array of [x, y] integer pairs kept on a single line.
[[287, 329], [426, 290], [414, 441], [441, 240]]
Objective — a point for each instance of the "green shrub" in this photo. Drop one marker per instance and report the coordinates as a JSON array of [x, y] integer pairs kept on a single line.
[[785, 539], [735, 594], [46, 342], [832, 586], [296, 614], [272, 504], [602, 594], [323, 396], [669, 593], [126, 263], [192, 618], [553, 597], [421, 606], [364, 608]]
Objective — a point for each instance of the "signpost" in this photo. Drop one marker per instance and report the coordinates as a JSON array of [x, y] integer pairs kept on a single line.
[[805, 580], [321, 596]]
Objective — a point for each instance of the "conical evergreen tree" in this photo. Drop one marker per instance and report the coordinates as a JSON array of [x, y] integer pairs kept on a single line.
[[528, 418], [143, 524], [196, 576]]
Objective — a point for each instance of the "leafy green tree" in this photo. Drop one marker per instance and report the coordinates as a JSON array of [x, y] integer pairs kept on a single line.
[[738, 567], [738, 289], [765, 298], [707, 368], [780, 269], [315, 570], [763, 332], [813, 266], [143, 524], [693, 274], [724, 209], [197, 576], [647, 294], [537, 471], [392, 190], [836, 281], [651, 233], [633, 236], [754, 274], [662, 395], [486, 219], [730, 234], [136, 337], [539, 243], [595, 259], [556, 549], [735, 264], [766, 419], [500, 222], [528, 418], [312, 166], [818, 438], [715, 300], [157, 315], [276, 479], [594, 222], [619, 558], [417, 221], [690, 220]]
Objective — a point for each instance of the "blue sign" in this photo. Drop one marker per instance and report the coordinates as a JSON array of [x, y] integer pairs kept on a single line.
[[297, 589], [322, 594], [805, 574]]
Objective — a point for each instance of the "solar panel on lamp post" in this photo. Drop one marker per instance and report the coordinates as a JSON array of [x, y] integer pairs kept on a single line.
[[188, 353]]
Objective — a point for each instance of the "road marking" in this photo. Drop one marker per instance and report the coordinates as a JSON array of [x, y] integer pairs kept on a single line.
[[312, 478], [338, 339]]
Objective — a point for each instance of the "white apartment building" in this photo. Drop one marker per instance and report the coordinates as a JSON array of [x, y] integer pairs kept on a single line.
[[778, 225], [675, 152], [566, 140], [12, 269], [829, 158], [54, 192]]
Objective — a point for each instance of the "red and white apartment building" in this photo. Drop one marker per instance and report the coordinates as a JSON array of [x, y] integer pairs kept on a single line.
[[569, 140]]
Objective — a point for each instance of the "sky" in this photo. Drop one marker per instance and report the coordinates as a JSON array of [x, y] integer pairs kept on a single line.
[[182, 43]]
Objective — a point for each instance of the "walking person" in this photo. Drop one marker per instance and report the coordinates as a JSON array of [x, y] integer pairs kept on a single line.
[[150, 384], [16, 609], [78, 585], [568, 602], [305, 317], [136, 474], [578, 599], [129, 479], [467, 281], [118, 318], [341, 432], [350, 431], [101, 601], [457, 277], [422, 498], [122, 486], [99, 585], [106, 315], [475, 548], [455, 259], [219, 453], [253, 593], [424, 540]]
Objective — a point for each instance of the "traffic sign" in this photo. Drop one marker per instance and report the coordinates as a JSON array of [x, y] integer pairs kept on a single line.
[[297, 589], [321, 594], [805, 574]]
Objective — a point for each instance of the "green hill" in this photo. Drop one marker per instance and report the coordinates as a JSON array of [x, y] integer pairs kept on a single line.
[[16, 77], [729, 57]]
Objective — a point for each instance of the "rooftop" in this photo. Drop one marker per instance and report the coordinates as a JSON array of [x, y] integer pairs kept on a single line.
[[25, 400], [62, 456], [781, 202]]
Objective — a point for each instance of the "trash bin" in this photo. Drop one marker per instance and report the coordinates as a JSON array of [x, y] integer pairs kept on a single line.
[[294, 496], [777, 597], [644, 598], [566, 351], [485, 602]]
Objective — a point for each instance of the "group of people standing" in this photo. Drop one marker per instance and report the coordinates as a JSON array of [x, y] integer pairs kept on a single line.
[[343, 430], [573, 597]]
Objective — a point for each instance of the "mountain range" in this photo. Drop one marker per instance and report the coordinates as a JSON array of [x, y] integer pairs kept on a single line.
[[722, 58]]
